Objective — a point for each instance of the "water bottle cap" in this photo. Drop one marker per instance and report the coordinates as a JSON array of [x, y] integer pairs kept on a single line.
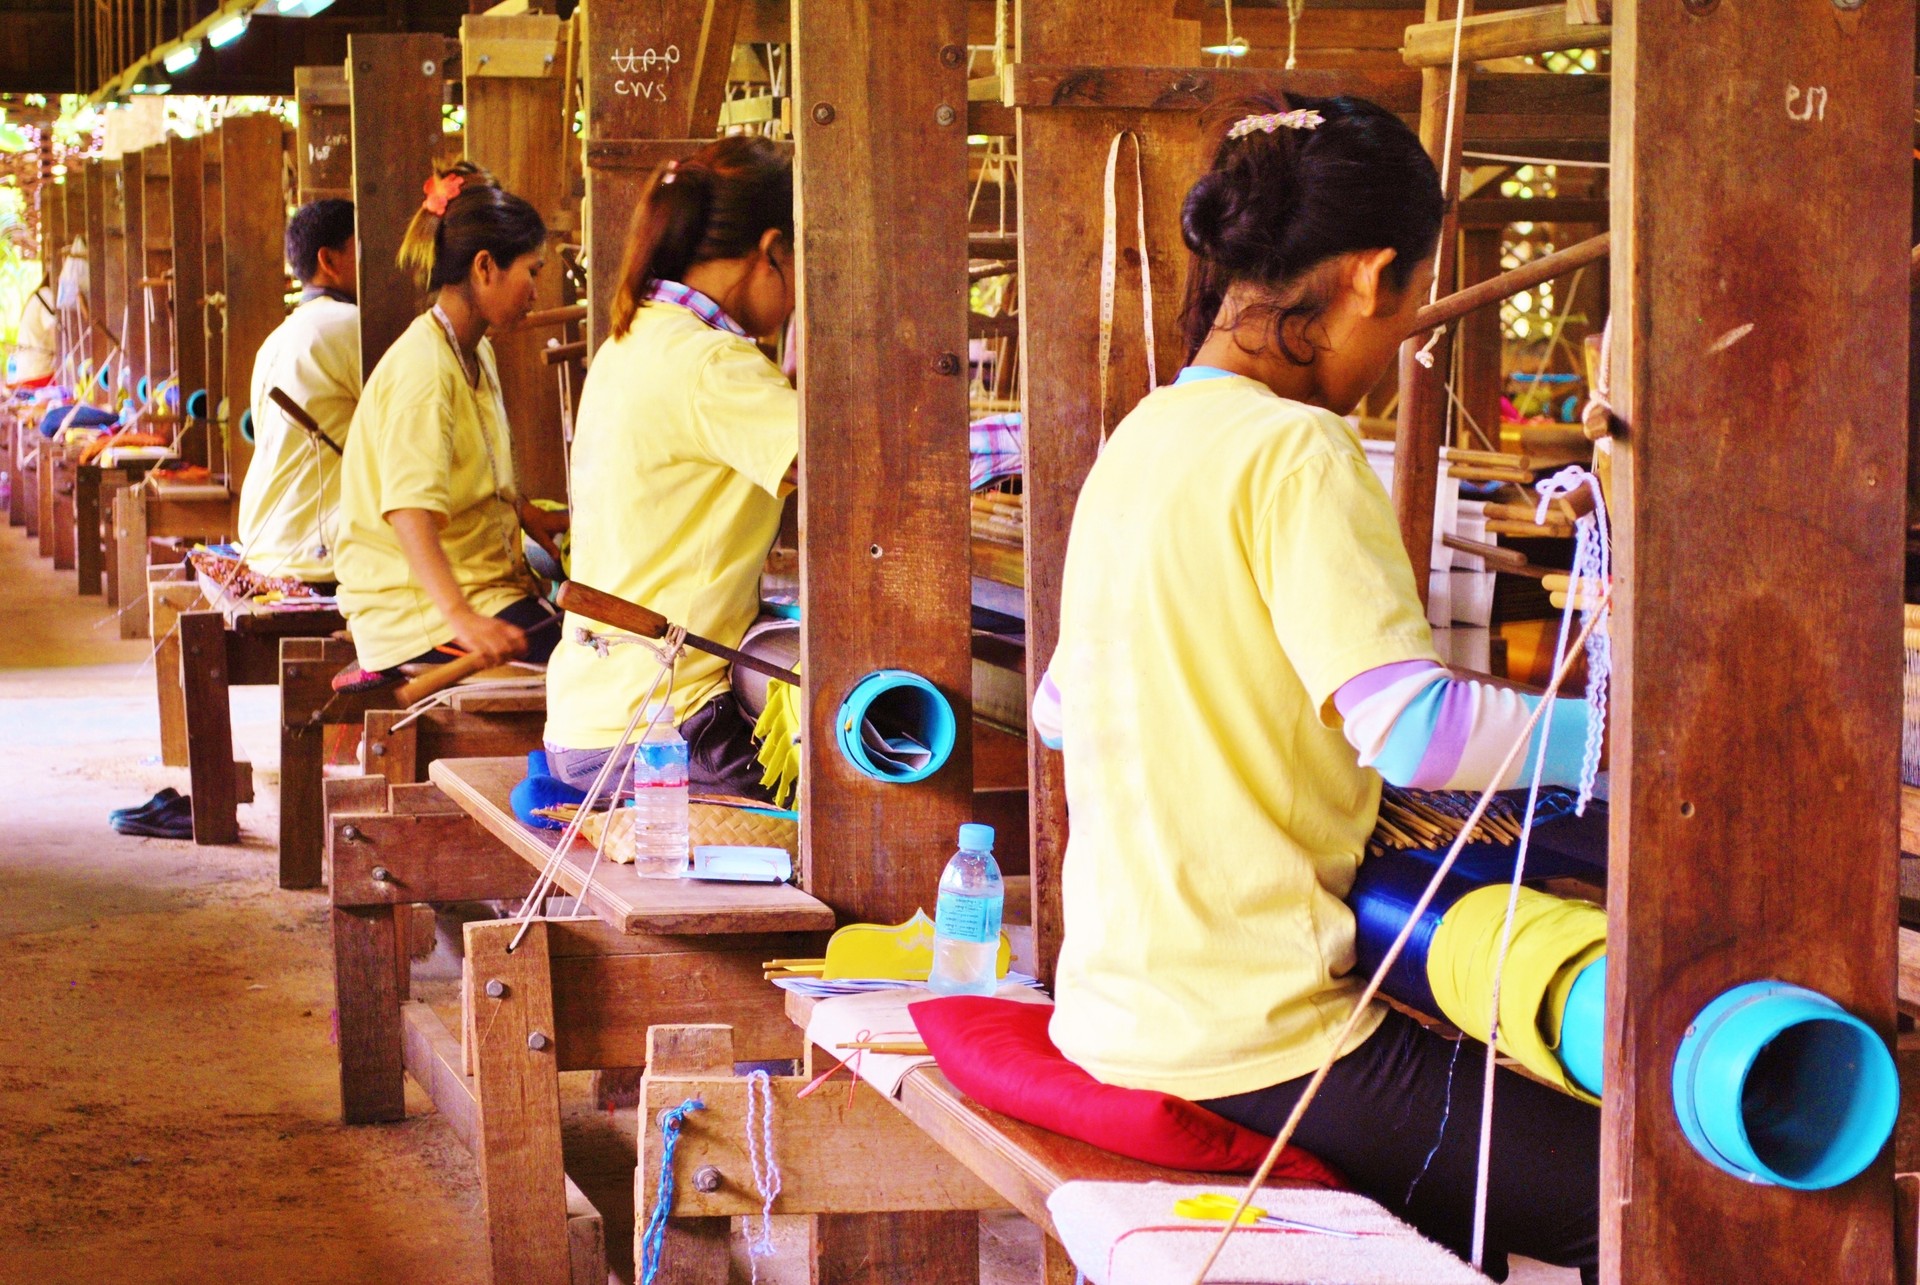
[[976, 838]]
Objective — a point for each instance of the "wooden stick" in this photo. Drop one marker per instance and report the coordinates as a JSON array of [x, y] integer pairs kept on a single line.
[[555, 354], [542, 317], [1508, 284], [595, 604], [297, 413]]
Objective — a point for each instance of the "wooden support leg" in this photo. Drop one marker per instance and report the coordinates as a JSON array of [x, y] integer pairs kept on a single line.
[[26, 487], [516, 1074], [130, 549], [87, 561], [393, 755], [63, 517], [367, 995], [166, 599], [43, 505], [307, 666], [694, 1250], [112, 483], [203, 675]]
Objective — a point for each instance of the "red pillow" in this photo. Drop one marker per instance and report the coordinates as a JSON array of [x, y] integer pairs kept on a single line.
[[998, 1052]]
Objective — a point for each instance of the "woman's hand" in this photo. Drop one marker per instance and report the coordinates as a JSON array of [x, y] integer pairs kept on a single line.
[[489, 637]]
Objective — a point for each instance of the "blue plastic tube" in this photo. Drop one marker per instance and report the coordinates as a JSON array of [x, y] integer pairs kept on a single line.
[[902, 703]]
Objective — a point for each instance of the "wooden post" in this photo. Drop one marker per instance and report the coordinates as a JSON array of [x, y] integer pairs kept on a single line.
[[1063, 158], [1481, 382], [1423, 389], [130, 547], [132, 319], [516, 1074], [1757, 619], [653, 70], [203, 674], [515, 97], [186, 194], [254, 215], [156, 243], [214, 315], [111, 261], [86, 528], [367, 983], [307, 667], [95, 344], [884, 563], [323, 145], [396, 85]]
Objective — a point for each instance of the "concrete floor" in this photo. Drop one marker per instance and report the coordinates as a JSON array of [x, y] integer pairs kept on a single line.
[[168, 1082]]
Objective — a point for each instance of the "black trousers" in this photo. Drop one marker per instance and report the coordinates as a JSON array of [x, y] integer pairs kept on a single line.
[[1400, 1118], [722, 757]]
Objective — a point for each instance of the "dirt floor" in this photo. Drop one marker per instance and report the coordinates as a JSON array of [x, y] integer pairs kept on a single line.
[[168, 1083]]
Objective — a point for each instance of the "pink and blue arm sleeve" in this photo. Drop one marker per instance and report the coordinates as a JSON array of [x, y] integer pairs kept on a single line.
[[1046, 713], [1422, 729]]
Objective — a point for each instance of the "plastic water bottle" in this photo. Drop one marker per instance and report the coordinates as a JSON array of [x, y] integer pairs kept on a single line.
[[660, 800], [966, 926]]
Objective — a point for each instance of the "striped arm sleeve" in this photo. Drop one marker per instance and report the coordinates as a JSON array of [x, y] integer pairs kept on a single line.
[[1421, 729]]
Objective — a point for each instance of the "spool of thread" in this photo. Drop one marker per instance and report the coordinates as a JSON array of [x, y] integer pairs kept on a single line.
[[771, 638]]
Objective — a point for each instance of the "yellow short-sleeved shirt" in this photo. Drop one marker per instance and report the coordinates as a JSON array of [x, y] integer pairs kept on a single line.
[[1233, 561], [684, 435], [289, 503], [423, 438]]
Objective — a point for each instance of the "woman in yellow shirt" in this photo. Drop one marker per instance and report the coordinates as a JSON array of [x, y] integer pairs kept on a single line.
[[1242, 655], [684, 448], [429, 551]]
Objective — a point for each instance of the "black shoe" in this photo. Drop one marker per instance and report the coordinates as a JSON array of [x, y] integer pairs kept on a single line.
[[152, 805], [172, 820]]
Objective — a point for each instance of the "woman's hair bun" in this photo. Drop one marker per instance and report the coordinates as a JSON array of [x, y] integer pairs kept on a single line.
[[1300, 181]]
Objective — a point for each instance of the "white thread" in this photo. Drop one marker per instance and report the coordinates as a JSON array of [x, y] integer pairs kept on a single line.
[[1592, 573], [1425, 355], [766, 1168], [1590, 545], [1537, 160]]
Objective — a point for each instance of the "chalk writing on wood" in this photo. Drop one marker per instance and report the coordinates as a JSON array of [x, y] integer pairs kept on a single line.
[[644, 72], [1815, 108]]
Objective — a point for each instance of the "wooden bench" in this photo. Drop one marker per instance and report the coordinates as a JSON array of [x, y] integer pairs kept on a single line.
[[1012, 1164], [160, 510], [578, 993]]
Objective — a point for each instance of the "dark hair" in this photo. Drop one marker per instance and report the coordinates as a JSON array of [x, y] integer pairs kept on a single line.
[[715, 204], [326, 224], [1278, 203], [439, 249]]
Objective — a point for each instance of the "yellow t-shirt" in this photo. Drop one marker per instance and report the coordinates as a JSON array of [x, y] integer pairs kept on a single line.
[[290, 500], [684, 435], [423, 438], [1233, 561]]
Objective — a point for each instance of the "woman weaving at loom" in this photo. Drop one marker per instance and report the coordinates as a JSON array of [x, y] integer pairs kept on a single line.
[[683, 450], [429, 549], [1238, 609]]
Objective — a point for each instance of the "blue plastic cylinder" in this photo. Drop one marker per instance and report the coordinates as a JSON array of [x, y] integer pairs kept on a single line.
[[197, 404], [1779, 1085], [246, 423], [141, 389], [897, 703], [1583, 1026]]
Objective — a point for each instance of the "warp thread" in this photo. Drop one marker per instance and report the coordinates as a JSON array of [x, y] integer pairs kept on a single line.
[[653, 1241]]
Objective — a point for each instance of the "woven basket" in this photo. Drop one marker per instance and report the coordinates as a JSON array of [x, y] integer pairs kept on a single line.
[[708, 825]]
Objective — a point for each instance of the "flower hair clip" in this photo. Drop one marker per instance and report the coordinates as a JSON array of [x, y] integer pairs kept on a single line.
[[439, 191], [673, 167], [1299, 118]]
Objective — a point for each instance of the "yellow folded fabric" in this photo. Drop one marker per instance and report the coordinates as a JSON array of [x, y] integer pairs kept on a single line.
[[778, 730], [1553, 939]]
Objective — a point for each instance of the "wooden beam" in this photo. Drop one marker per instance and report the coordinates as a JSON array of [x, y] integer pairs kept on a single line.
[[213, 319], [1482, 294], [1757, 841], [516, 127], [1423, 394], [396, 85], [253, 239], [1481, 342], [1537, 30], [133, 206], [156, 302], [323, 144]]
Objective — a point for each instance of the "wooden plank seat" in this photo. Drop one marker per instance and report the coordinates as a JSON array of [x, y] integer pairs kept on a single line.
[[577, 994]]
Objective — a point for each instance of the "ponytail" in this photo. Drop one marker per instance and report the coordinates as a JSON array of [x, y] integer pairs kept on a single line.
[[715, 204], [467, 211]]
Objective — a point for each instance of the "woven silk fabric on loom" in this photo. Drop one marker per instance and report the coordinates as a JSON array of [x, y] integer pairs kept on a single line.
[[1126, 1233]]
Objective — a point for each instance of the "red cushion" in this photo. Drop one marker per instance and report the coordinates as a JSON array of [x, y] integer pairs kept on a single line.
[[998, 1052]]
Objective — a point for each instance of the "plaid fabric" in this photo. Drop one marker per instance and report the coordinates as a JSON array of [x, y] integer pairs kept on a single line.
[[994, 443], [696, 303]]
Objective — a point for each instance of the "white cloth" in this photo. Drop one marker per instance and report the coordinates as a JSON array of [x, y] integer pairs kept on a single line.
[[1126, 1233], [885, 1018], [36, 345]]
